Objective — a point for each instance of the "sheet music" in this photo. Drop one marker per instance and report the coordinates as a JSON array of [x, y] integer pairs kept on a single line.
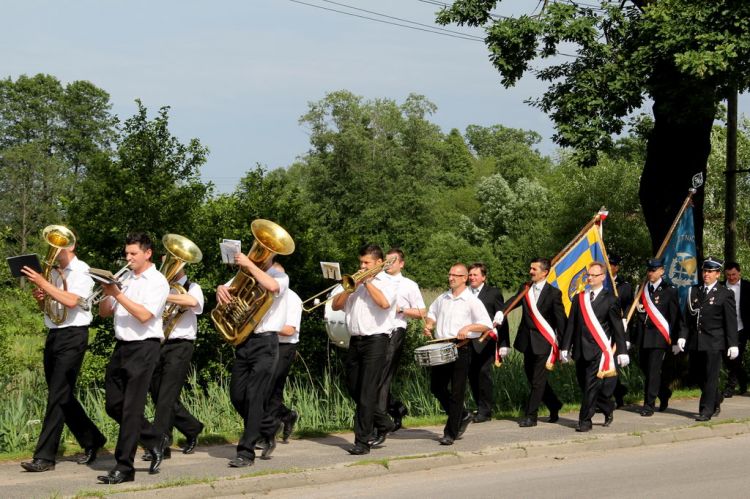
[[229, 248]]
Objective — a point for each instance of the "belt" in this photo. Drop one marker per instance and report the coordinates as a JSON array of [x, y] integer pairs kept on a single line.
[[265, 333], [179, 340]]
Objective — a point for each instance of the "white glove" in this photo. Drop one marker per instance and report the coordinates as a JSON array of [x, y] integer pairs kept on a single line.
[[504, 351], [498, 320], [624, 323], [564, 357], [676, 349], [733, 353], [627, 345], [623, 359], [681, 344]]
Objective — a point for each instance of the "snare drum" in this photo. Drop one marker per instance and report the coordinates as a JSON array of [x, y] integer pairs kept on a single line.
[[336, 322], [436, 354]]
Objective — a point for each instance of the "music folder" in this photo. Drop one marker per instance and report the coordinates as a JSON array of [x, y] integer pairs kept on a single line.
[[103, 276], [16, 263]]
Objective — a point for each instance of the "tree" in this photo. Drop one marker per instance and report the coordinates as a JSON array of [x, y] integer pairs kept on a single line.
[[683, 55]]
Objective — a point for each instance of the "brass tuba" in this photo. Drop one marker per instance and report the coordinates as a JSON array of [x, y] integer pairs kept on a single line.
[[180, 250], [250, 302], [59, 238]]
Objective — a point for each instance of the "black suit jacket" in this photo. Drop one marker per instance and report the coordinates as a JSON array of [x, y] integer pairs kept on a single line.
[[624, 293], [579, 341], [744, 302], [551, 307], [711, 319], [493, 301], [666, 299]]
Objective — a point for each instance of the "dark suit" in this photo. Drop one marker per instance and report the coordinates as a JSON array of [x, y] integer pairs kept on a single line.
[[536, 349], [736, 371], [711, 320], [625, 296], [651, 343], [587, 354], [483, 353]]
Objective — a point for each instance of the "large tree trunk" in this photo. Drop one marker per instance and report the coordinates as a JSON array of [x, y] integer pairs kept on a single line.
[[678, 148]]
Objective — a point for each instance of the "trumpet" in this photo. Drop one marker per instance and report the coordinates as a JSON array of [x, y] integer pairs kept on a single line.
[[349, 283], [98, 295]]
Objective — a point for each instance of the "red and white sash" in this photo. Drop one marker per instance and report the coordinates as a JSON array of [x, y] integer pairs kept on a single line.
[[656, 317], [607, 362], [545, 329]]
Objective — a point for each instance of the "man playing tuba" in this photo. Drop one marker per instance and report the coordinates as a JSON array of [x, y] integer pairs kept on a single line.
[[64, 349]]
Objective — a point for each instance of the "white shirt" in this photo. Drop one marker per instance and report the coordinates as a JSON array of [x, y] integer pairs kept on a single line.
[[150, 289], [187, 326], [477, 290], [81, 284], [595, 291], [408, 296], [451, 313], [536, 290], [293, 316], [363, 316], [274, 319], [736, 288]]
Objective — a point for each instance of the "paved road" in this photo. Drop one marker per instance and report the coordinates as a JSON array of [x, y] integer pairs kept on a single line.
[[715, 467], [305, 458]]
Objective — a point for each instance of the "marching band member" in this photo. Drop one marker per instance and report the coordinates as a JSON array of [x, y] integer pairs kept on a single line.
[[255, 361], [409, 305], [711, 318], [483, 352], [541, 328], [174, 363], [137, 309], [63, 355], [457, 313], [369, 312], [658, 322], [595, 321]]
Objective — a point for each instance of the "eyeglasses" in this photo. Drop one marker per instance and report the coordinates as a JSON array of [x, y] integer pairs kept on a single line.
[[595, 275], [456, 275]]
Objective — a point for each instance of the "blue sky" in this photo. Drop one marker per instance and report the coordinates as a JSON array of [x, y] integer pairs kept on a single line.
[[239, 74]]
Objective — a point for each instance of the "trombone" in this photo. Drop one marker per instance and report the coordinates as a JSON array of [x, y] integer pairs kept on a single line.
[[349, 283]]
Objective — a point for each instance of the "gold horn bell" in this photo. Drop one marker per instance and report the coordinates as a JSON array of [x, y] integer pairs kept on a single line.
[[250, 301], [59, 238], [180, 251]]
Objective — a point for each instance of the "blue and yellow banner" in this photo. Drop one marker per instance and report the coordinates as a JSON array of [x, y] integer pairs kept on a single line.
[[680, 256], [569, 274]]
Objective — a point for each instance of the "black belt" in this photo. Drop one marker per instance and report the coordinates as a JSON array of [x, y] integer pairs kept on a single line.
[[179, 340], [138, 341], [264, 333]]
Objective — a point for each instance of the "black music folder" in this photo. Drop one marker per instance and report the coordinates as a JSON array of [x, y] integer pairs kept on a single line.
[[16, 263]]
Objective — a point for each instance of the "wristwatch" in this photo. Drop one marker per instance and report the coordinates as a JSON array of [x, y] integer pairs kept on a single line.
[[400, 310]]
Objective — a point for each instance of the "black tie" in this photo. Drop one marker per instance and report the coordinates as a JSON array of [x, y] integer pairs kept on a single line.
[[592, 296], [650, 289]]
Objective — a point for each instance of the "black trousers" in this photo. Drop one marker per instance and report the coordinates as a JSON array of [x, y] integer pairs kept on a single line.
[[166, 385], [480, 376], [63, 355], [364, 368], [448, 384], [710, 362], [126, 385], [252, 375], [386, 401], [736, 374], [655, 384], [541, 391], [276, 411], [595, 392]]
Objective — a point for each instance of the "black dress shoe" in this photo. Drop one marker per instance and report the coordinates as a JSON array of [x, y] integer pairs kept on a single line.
[[37, 465], [527, 422], [191, 442], [445, 440], [379, 439], [663, 404], [358, 450], [554, 415], [468, 418], [647, 412], [89, 455], [717, 411], [703, 417], [240, 462], [398, 416], [157, 454], [728, 393], [289, 421], [269, 447], [116, 476], [608, 418], [583, 427], [481, 418], [166, 454]]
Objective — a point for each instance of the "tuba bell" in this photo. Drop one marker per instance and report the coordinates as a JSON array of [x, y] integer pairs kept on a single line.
[[59, 238], [250, 301], [180, 251]]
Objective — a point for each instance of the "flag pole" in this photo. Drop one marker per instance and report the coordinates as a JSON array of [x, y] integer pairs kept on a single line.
[[663, 247]]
